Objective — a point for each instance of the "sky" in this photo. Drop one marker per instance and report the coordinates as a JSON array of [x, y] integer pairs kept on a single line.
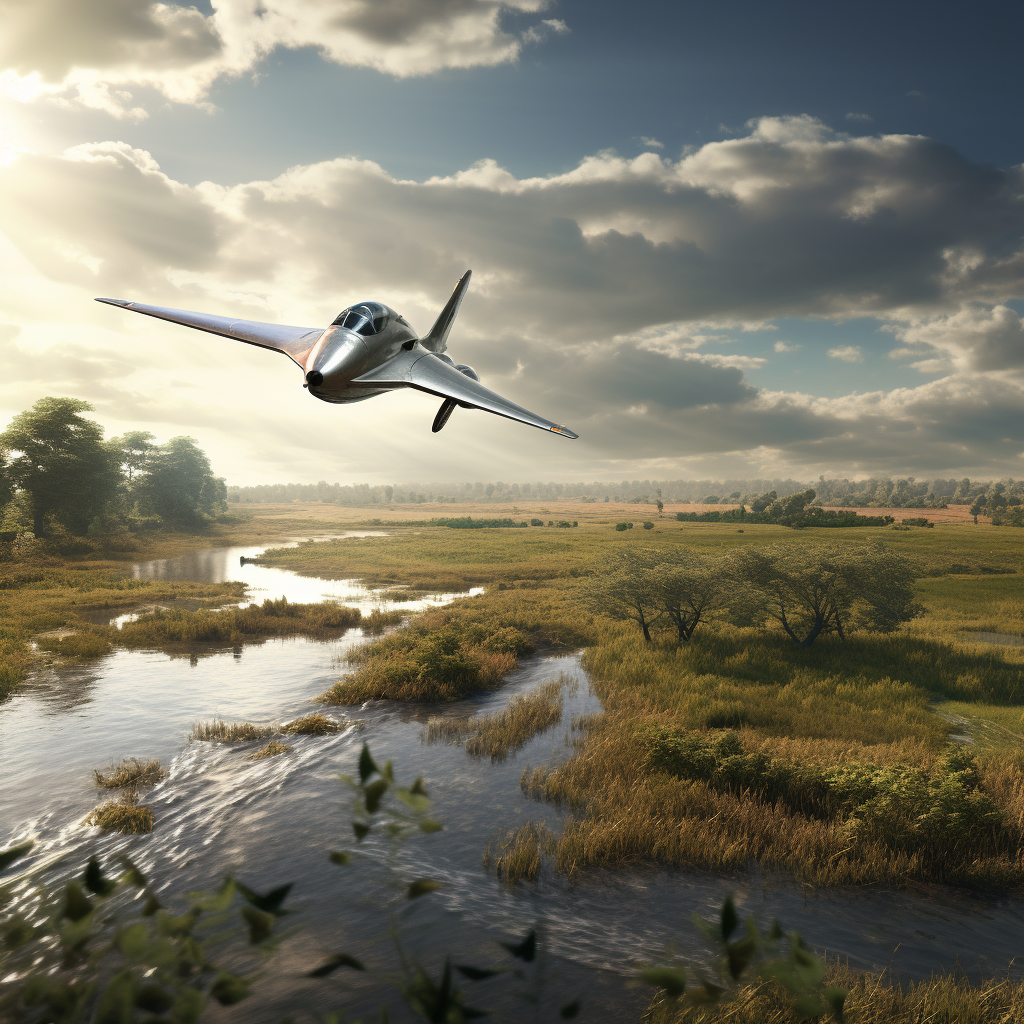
[[713, 238]]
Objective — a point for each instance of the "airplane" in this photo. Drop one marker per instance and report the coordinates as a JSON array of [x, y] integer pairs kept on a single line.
[[368, 349]]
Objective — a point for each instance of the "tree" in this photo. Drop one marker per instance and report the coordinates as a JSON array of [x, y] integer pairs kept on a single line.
[[810, 591], [180, 487], [689, 586], [978, 507], [133, 452], [60, 461], [628, 589]]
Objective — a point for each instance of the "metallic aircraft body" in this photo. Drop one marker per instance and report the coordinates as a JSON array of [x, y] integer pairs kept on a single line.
[[367, 350]]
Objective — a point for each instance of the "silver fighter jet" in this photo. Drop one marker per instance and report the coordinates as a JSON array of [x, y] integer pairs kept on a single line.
[[369, 349]]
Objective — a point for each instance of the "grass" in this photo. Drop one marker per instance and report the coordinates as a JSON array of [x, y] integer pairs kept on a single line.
[[448, 653], [272, 749], [871, 999], [234, 732], [117, 816], [129, 773], [315, 724], [519, 854], [499, 735], [238, 625], [993, 728]]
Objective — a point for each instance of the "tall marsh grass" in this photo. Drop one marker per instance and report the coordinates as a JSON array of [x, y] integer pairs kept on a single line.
[[518, 856], [130, 773], [499, 735], [122, 816], [230, 732], [238, 625], [870, 999]]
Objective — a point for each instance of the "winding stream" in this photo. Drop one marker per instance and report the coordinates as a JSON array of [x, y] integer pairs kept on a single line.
[[273, 821]]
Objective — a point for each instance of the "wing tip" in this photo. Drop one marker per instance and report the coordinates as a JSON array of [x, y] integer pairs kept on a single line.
[[124, 303], [564, 431]]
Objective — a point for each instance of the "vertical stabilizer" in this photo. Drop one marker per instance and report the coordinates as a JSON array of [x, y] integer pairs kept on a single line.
[[437, 338]]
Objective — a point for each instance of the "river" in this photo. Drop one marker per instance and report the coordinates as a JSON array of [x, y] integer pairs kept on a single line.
[[274, 821]]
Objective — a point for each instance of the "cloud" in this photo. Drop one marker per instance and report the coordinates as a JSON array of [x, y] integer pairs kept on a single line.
[[974, 338], [858, 117], [847, 353], [646, 140], [785, 346], [96, 53], [603, 297]]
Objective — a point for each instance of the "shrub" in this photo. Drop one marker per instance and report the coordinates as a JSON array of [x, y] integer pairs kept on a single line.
[[623, 526], [648, 526]]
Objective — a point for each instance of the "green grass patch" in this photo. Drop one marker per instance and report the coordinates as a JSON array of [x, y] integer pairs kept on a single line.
[[993, 728], [238, 625]]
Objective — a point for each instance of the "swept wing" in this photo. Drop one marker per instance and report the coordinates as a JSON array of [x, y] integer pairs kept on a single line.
[[294, 342], [427, 372]]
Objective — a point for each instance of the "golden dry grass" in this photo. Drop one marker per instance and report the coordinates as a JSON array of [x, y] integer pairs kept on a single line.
[[230, 732], [518, 856], [499, 735], [130, 772], [272, 749], [871, 999], [315, 724], [117, 816]]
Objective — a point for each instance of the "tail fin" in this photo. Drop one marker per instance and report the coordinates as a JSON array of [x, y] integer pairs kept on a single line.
[[437, 338]]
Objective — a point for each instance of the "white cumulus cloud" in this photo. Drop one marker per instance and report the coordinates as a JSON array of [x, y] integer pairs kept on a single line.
[[96, 53]]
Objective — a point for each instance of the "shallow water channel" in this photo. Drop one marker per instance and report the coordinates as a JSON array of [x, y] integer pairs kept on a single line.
[[274, 821]]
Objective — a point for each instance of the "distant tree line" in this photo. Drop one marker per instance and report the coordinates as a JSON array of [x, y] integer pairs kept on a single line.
[[795, 510], [808, 591], [59, 476], [875, 492]]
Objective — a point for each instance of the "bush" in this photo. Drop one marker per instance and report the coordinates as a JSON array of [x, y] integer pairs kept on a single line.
[[536, 522], [648, 526], [623, 526]]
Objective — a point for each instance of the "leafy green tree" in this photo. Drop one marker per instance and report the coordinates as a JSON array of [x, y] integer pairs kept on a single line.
[[688, 586], [59, 459], [628, 590], [810, 591], [133, 452], [180, 486]]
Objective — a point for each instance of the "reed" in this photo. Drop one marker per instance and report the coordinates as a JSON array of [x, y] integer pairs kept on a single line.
[[238, 625], [499, 735], [518, 856], [118, 816], [233, 732], [272, 749], [130, 772], [78, 646], [315, 724]]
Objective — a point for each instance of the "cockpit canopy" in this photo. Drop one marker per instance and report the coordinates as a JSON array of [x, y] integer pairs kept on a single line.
[[367, 318]]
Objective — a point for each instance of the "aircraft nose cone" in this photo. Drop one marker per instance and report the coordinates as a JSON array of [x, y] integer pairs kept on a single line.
[[314, 378]]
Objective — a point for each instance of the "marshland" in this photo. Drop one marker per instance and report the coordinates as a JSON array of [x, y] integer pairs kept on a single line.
[[866, 789]]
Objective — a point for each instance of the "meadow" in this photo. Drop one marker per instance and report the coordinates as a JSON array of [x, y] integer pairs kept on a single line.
[[810, 761]]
